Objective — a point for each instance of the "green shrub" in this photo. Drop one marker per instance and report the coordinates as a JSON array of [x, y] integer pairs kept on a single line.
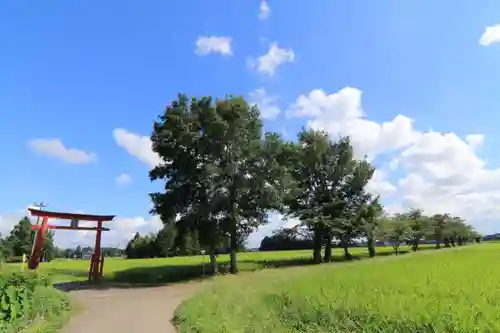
[[27, 297]]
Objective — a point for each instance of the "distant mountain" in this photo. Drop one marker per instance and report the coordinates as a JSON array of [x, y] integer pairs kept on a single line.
[[492, 237]]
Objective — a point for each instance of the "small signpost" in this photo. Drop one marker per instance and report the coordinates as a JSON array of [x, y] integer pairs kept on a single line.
[[23, 262], [202, 263]]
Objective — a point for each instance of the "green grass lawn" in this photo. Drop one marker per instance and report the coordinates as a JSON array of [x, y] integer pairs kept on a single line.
[[451, 290], [164, 270]]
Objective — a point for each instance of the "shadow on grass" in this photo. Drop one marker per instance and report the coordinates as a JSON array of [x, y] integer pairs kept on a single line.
[[147, 276], [69, 272]]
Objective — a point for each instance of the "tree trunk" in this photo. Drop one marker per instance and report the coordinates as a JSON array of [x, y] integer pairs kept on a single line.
[[371, 247], [318, 241], [213, 263], [234, 247], [328, 248], [414, 246], [345, 246], [347, 255], [234, 232]]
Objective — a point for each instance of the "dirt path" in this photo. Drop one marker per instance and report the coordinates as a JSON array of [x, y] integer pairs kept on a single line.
[[128, 310]]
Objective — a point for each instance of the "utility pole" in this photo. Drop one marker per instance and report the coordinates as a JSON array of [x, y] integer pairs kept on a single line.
[[41, 205]]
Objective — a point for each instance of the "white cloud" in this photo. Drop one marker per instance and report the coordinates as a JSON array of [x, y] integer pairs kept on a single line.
[[122, 229], [123, 179], [441, 156], [7, 222], [378, 185], [137, 146], [438, 172], [268, 109], [341, 113], [275, 221], [490, 35], [475, 141], [55, 148], [264, 10], [275, 57], [213, 44]]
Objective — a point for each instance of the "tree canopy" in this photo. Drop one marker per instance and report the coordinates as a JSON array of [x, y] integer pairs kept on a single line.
[[220, 171]]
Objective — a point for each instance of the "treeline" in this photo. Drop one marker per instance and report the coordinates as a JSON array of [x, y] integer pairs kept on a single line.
[[283, 239], [20, 242], [222, 175], [412, 228], [170, 243], [80, 252]]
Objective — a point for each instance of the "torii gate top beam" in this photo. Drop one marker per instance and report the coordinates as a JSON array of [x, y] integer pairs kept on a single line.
[[70, 216]]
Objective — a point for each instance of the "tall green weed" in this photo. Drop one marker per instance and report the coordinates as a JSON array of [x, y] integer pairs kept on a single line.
[[446, 291], [27, 297]]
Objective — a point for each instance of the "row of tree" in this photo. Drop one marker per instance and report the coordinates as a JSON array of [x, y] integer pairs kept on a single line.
[[412, 228], [222, 175], [161, 244], [169, 243], [80, 252]]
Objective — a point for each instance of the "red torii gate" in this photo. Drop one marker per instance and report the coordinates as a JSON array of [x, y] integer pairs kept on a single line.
[[97, 261]]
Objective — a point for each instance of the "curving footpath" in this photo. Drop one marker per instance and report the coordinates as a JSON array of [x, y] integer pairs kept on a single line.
[[127, 310]]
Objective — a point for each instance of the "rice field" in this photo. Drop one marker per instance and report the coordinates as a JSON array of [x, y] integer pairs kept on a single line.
[[166, 270], [451, 290]]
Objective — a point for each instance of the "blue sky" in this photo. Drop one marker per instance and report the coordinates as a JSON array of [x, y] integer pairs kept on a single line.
[[78, 71]]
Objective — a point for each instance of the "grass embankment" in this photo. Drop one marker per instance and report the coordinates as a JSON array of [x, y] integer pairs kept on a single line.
[[167, 270], [452, 290], [29, 303]]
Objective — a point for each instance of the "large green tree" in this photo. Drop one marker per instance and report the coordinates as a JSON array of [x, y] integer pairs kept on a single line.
[[328, 189], [370, 215], [20, 241], [355, 200], [305, 198], [440, 223], [219, 179], [192, 197], [398, 231], [130, 249], [338, 206], [165, 240], [420, 227]]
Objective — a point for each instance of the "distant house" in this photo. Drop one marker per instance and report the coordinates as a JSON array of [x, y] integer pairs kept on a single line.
[[86, 255]]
